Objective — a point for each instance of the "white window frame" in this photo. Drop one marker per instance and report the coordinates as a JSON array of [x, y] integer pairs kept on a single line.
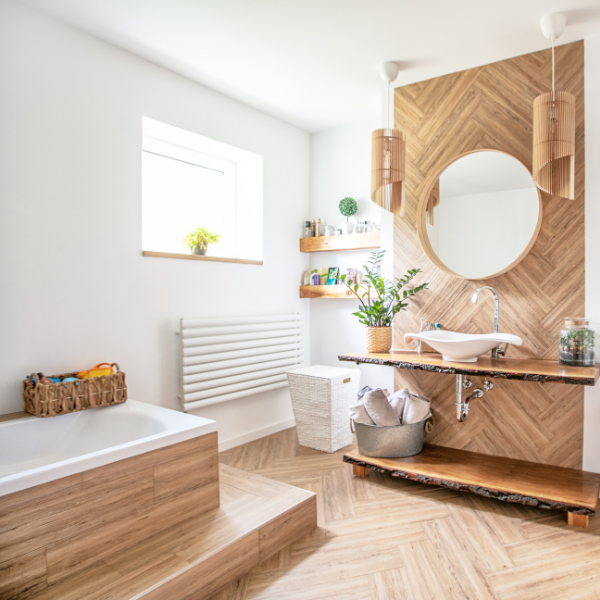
[[243, 172]]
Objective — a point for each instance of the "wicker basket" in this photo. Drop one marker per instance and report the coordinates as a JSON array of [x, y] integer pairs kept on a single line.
[[72, 396], [379, 339], [321, 399]]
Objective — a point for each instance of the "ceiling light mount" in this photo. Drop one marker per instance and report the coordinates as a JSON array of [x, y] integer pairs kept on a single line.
[[389, 71], [553, 25]]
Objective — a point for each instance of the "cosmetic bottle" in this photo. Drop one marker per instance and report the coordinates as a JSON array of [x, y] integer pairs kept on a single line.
[[308, 232], [313, 226]]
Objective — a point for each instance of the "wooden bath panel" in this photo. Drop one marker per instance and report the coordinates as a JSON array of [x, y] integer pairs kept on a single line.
[[491, 107]]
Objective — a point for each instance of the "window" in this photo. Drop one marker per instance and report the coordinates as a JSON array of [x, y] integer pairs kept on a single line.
[[190, 181]]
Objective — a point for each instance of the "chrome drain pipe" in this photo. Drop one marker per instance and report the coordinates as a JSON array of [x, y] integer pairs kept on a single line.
[[459, 402], [462, 408]]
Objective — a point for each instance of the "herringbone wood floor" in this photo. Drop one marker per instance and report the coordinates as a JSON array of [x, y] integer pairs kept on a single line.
[[385, 539], [491, 107]]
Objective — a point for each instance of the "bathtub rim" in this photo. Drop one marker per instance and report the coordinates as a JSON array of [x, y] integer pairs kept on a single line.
[[16, 482]]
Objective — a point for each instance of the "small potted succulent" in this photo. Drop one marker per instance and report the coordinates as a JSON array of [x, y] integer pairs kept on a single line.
[[199, 239], [348, 208], [378, 313]]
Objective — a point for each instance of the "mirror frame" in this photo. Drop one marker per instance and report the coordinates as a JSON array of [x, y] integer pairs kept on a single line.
[[422, 226]]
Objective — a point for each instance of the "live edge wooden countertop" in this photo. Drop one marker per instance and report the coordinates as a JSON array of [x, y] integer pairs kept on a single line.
[[525, 369]]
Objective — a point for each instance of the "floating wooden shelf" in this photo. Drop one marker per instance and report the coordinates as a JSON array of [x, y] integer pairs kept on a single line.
[[506, 479], [329, 291], [332, 243], [525, 369], [242, 261]]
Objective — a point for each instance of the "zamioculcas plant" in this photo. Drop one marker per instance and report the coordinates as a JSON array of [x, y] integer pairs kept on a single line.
[[390, 297]]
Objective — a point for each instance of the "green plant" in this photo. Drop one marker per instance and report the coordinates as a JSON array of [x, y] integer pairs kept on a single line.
[[391, 297], [200, 237], [348, 207]]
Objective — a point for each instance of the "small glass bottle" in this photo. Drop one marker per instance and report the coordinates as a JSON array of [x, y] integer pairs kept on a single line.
[[308, 232], [319, 230], [313, 226], [577, 343]]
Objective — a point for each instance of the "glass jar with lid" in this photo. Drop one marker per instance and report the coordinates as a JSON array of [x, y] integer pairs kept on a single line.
[[577, 343]]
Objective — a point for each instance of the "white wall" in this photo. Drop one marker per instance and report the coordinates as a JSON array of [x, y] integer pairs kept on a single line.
[[75, 288], [591, 424], [340, 167]]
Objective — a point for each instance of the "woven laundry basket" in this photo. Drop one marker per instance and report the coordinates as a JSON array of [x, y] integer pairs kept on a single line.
[[321, 399]]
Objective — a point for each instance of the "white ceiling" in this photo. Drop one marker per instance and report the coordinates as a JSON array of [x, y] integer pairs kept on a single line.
[[313, 63]]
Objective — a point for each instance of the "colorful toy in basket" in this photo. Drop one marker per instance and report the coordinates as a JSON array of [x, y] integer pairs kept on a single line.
[[49, 396], [98, 371]]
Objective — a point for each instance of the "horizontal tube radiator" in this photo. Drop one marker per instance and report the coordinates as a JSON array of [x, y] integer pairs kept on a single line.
[[230, 358]]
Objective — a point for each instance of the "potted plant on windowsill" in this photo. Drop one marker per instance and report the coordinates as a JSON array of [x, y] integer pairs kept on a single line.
[[378, 313], [198, 240]]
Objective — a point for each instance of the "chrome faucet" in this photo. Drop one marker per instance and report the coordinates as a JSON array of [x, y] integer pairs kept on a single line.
[[429, 324], [496, 351]]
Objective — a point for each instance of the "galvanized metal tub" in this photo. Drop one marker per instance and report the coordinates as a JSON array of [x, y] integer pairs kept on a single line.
[[397, 441]]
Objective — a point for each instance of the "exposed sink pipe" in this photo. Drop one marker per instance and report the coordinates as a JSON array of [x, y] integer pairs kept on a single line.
[[462, 408]]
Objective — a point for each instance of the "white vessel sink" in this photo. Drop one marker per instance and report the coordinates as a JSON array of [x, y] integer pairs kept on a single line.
[[463, 347]]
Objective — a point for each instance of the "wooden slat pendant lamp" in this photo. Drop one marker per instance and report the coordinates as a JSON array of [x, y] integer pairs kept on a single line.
[[388, 156], [554, 129]]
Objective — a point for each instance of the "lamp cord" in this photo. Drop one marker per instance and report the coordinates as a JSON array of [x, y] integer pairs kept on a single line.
[[389, 103], [552, 69]]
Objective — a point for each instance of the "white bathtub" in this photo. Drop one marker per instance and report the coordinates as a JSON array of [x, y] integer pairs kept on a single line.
[[35, 450]]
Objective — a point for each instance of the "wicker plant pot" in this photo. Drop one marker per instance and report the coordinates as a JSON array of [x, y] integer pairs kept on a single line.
[[379, 339]]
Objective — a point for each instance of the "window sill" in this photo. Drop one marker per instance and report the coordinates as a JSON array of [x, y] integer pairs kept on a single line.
[[204, 258]]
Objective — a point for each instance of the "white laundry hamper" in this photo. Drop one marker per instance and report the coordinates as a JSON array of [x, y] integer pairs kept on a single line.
[[321, 399]]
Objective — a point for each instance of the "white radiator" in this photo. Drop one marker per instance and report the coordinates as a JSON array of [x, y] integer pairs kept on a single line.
[[228, 358]]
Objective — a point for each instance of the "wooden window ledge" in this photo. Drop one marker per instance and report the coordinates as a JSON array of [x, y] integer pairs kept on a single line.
[[242, 261]]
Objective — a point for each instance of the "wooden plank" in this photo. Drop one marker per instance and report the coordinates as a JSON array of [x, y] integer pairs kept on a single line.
[[204, 258], [333, 243], [331, 291], [524, 369], [506, 479]]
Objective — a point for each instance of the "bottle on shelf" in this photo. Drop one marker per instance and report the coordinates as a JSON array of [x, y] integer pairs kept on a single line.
[[308, 231]]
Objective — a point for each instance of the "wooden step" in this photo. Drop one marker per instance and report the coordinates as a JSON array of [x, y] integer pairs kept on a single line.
[[506, 479], [257, 518]]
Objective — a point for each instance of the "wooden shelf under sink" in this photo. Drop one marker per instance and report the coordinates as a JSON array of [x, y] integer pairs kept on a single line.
[[524, 369], [505, 479], [334, 243]]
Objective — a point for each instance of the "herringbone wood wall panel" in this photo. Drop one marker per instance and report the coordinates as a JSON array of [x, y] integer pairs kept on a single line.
[[491, 107]]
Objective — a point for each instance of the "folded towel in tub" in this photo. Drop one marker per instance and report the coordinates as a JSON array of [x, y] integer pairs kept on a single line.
[[359, 414], [398, 399], [416, 408], [379, 408]]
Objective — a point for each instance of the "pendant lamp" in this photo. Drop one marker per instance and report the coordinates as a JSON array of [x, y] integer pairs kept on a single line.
[[388, 156], [554, 129]]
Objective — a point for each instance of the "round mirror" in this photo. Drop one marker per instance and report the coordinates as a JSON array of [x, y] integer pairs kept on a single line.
[[480, 216]]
